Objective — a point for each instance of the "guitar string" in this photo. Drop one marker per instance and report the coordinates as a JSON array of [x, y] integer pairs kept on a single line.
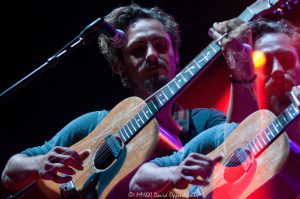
[[209, 188], [100, 153], [230, 165]]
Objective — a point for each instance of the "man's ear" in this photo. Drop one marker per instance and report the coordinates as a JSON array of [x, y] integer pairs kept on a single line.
[[119, 69]]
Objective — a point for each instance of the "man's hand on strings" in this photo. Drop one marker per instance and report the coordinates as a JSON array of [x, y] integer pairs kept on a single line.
[[60, 164], [194, 169]]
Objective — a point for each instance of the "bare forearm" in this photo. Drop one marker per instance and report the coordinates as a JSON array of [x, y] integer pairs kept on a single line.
[[19, 172], [151, 178], [243, 102]]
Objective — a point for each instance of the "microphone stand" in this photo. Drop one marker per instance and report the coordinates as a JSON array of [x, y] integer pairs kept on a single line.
[[82, 39]]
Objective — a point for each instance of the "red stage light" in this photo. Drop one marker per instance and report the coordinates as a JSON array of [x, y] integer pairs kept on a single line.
[[259, 59]]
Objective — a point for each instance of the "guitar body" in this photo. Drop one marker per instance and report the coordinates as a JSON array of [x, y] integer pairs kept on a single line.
[[131, 156], [232, 180]]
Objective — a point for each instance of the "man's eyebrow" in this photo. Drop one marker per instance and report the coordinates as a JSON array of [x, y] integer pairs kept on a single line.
[[136, 42]]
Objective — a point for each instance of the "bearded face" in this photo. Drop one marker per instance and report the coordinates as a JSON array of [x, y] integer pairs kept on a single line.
[[280, 72], [149, 58]]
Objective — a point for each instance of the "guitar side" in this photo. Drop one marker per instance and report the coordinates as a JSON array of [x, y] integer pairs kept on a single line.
[[255, 172]]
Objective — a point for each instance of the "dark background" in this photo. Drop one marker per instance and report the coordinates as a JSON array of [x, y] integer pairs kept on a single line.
[[32, 31]]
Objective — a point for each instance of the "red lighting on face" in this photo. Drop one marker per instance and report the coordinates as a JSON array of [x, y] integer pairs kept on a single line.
[[259, 59]]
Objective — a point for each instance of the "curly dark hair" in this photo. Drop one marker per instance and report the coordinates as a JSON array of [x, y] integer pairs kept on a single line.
[[122, 17], [263, 26]]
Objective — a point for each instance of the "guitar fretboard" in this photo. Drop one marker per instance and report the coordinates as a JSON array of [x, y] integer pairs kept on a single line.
[[262, 140]]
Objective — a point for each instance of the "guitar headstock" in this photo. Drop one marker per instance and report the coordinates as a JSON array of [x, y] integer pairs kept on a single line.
[[263, 7]]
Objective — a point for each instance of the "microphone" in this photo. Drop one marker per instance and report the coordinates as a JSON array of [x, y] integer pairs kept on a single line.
[[117, 38]]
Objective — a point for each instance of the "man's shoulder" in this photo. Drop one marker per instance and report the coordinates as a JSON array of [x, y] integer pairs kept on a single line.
[[204, 111], [208, 114], [98, 115]]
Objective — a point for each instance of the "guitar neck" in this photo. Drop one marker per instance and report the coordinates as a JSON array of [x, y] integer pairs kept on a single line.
[[265, 138]]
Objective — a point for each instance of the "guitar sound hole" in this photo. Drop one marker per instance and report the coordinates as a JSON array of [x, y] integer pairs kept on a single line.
[[237, 165], [108, 152]]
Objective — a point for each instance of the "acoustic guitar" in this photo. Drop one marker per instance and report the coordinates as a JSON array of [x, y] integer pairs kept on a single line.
[[129, 133], [252, 154]]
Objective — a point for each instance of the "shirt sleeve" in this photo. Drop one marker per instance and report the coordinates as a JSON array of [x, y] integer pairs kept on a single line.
[[168, 161], [201, 120], [71, 133], [216, 117], [204, 118]]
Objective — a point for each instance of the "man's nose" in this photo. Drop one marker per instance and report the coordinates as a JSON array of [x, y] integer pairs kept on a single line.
[[151, 54], [277, 69]]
